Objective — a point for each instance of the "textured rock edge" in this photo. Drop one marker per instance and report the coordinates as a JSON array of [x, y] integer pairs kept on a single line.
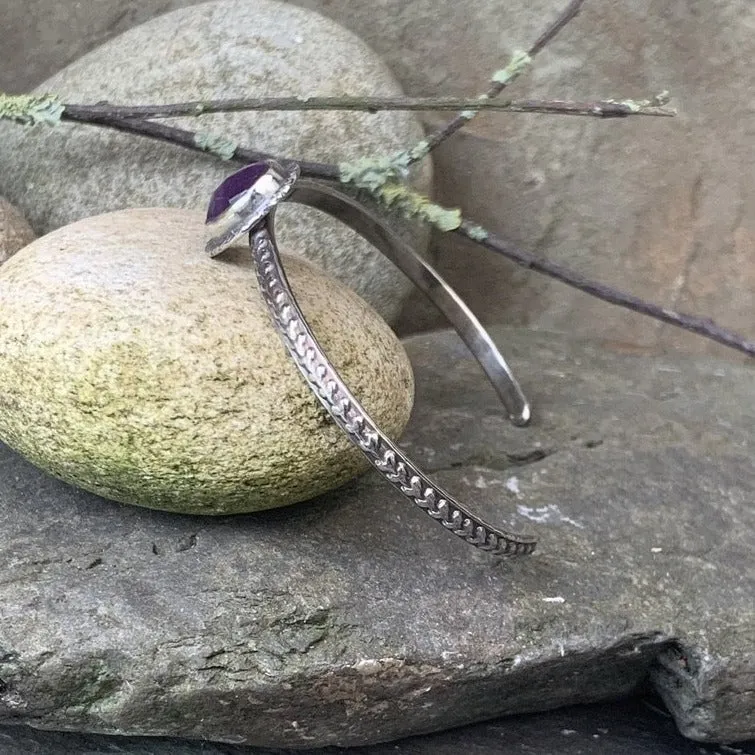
[[601, 670]]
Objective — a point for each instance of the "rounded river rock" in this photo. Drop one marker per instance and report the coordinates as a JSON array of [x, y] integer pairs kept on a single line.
[[223, 49], [134, 366]]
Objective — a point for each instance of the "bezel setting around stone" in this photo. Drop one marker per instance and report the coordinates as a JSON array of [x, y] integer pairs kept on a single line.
[[245, 198]]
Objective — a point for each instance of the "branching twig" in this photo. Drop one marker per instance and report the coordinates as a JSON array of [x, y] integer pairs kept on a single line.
[[702, 326], [402, 199], [429, 213], [377, 175], [500, 81], [601, 108], [567, 15]]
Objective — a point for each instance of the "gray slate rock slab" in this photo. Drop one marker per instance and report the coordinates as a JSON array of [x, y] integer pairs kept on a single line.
[[631, 727], [215, 50], [15, 232], [355, 619]]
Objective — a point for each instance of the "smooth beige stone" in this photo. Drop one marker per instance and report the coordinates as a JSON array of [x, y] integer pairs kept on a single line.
[[134, 366]]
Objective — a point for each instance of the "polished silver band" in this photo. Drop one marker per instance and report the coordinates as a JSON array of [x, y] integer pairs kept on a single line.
[[335, 396], [351, 212]]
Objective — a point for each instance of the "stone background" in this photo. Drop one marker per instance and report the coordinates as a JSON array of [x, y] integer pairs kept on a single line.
[[663, 208], [634, 727]]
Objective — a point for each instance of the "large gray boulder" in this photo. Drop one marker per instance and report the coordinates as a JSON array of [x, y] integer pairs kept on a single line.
[[15, 232], [228, 48], [134, 366], [356, 619]]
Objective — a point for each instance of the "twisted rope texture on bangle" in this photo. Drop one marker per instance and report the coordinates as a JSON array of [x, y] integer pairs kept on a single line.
[[349, 415]]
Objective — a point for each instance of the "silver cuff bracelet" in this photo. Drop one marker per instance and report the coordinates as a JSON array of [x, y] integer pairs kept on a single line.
[[245, 203]]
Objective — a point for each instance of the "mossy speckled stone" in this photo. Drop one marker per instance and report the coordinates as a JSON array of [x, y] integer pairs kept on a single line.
[[136, 367], [228, 48]]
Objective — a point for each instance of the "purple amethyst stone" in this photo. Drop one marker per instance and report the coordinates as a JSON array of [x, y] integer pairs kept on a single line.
[[237, 183]]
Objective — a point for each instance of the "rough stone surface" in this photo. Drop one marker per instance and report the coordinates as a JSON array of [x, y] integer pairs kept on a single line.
[[356, 619], [632, 727], [15, 232], [662, 208], [230, 48], [134, 366]]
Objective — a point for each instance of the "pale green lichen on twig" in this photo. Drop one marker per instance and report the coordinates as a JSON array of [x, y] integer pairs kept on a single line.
[[412, 204], [638, 106], [216, 145], [519, 62], [381, 177], [477, 232], [372, 173], [30, 109], [401, 161], [661, 99]]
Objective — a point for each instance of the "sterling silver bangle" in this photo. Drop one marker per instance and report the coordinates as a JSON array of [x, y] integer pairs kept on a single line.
[[245, 203]]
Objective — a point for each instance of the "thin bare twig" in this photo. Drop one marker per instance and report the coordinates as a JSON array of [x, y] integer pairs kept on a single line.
[[702, 326], [596, 108], [190, 140], [497, 86], [569, 14], [601, 108]]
